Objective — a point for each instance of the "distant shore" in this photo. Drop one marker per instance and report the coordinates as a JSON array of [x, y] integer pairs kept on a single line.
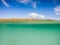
[[32, 21]]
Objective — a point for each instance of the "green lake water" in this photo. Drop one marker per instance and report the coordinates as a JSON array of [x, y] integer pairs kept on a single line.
[[29, 34]]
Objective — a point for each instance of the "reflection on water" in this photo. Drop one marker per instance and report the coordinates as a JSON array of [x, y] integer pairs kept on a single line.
[[29, 34]]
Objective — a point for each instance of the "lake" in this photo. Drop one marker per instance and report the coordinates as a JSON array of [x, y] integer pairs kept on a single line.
[[29, 34]]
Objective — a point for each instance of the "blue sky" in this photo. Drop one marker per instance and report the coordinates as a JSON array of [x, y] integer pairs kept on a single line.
[[45, 9]]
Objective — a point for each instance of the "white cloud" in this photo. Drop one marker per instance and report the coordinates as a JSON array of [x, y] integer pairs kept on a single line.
[[30, 2], [35, 15], [24, 1], [5, 3], [42, 16], [57, 10], [34, 4]]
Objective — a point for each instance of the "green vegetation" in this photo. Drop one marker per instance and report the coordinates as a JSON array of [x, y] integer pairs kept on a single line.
[[28, 21]]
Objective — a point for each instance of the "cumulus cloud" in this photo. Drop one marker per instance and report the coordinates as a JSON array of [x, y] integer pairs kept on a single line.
[[42, 16], [57, 10], [5, 3], [35, 15]]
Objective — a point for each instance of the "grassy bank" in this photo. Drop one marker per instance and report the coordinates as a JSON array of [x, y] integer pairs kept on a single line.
[[28, 21]]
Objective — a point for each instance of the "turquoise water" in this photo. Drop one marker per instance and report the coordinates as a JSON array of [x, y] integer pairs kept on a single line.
[[29, 34]]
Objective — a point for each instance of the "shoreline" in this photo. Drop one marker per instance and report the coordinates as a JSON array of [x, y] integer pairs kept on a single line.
[[29, 21]]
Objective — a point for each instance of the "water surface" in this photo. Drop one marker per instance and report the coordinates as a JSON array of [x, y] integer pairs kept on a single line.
[[29, 34]]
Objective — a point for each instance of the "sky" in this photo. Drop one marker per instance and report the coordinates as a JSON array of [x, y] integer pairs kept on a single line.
[[41, 9]]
